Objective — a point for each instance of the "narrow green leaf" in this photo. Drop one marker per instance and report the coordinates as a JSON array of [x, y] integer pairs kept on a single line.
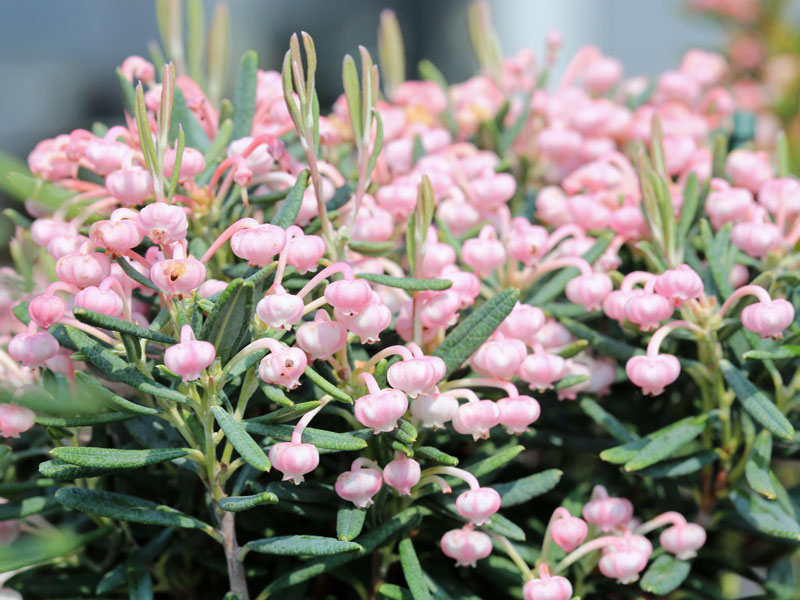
[[16, 487], [128, 93], [26, 507], [240, 503], [326, 386], [629, 451], [241, 440], [140, 586], [667, 441], [244, 96], [604, 344], [289, 413], [468, 335], [322, 439], [765, 515], [57, 469], [287, 212], [352, 92], [135, 275], [302, 545], [126, 508], [432, 454], [664, 575], [691, 202], [228, 323], [91, 420], [104, 321], [755, 402], [522, 490], [394, 592], [569, 381], [607, 421], [787, 351], [407, 283], [41, 549], [349, 522], [377, 145], [757, 468], [681, 466], [195, 135], [114, 458], [109, 398], [412, 570], [371, 248], [195, 40], [498, 459], [309, 492]]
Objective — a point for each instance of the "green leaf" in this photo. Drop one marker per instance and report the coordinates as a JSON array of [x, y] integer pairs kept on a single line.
[[765, 515], [352, 92], [755, 402], [631, 450], [136, 276], [105, 322], [681, 466], [26, 507], [394, 592], [240, 503], [241, 440], [228, 323], [691, 201], [244, 96], [665, 442], [607, 421], [113, 458], [195, 135], [349, 522], [432, 454], [114, 417], [526, 488], [412, 570], [57, 469], [128, 93], [569, 381], [4, 451], [468, 335], [287, 212], [126, 508], [140, 586], [302, 545], [117, 369], [326, 386], [322, 439], [757, 468], [787, 351], [371, 248], [41, 549], [498, 459], [109, 398], [310, 492], [289, 413], [407, 283], [603, 344], [664, 575]]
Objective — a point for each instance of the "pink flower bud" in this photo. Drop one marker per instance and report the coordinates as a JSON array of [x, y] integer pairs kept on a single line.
[[280, 310], [589, 290], [359, 484], [33, 349], [568, 532], [258, 245], [163, 223], [768, 319], [648, 310], [683, 540], [45, 310], [192, 163], [82, 269], [706, 68], [553, 335], [44, 230], [402, 474], [526, 241], [499, 357], [373, 225], [728, 206], [106, 302], [615, 304], [465, 284], [547, 587], [777, 193], [105, 156], [540, 370], [283, 368], [417, 375], [349, 295], [674, 86], [653, 373], [624, 564], [439, 309], [210, 287], [63, 245], [756, 239], [304, 252], [14, 420], [116, 234], [602, 74], [485, 253], [466, 545], [517, 413], [492, 191], [476, 418], [130, 186], [606, 511], [458, 215], [369, 322], [136, 67], [679, 284], [321, 338], [178, 276], [523, 322], [478, 505], [629, 222], [259, 161], [380, 409], [190, 357], [294, 460], [748, 169], [434, 410], [438, 255]]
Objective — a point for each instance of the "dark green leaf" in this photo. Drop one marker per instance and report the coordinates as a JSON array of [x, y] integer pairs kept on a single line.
[[664, 443], [432, 454], [407, 283], [787, 351], [664, 575], [765, 515], [228, 323], [394, 592], [757, 468], [240, 503], [289, 413], [244, 96], [468, 335], [371, 248], [412, 570], [302, 545], [241, 440], [41, 549], [196, 137], [26, 507], [140, 586], [288, 211], [522, 490], [92, 420], [326, 386], [109, 398], [755, 402], [136, 276], [349, 522], [630, 450], [328, 440], [113, 458], [681, 466], [607, 421], [605, 345], [57, 469]]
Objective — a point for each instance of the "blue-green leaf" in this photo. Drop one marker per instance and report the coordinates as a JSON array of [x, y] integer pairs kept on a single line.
[[757, 469], [241, 440], [302, 545], [244, 96], [664, 575], [412, 570]]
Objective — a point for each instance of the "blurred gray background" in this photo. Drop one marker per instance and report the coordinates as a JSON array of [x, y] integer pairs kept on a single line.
[[57, 57]]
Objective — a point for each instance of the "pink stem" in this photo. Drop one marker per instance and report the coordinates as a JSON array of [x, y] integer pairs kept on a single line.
[[363, 462], [667, 518], [291, 232], [465, 393], [372, 384], [297, 432], [662, 332], [562, 263], [246, 223], [113, 283], [634, 277], [337, 267], [465, 476], [61, 286], [579, 62], [746, 290], [563, 232], [138, 258]]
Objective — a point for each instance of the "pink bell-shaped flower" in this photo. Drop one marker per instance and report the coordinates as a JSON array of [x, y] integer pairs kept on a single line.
[[624, 562], [283, 367], [190, 357], [103, 301], [756, 238], [294, 460], [648, 310], [163, 223], [369, 322], [360, 483], [605, 511], [679, 284], [83, 268], [416, 375], [523, 322], [568, 532], [9, 531], [402, 474], [485, 253], [499, 357], [46, 309], [14, 420], [517, 413], [434, 410], [683, 540], [653, 373], [768, 319], [258, 245], [33, 349], [304, 252], [478, 505], [349, 295], [589, 290], [547, 587], [541, 369], [322, 337], [179, 276], [466, 545], [280, 310], [192, 163], [130, 186], [118, 233], [380, 409]]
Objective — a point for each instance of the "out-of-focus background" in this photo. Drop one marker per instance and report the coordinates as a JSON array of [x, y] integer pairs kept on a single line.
[[57, 58]]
